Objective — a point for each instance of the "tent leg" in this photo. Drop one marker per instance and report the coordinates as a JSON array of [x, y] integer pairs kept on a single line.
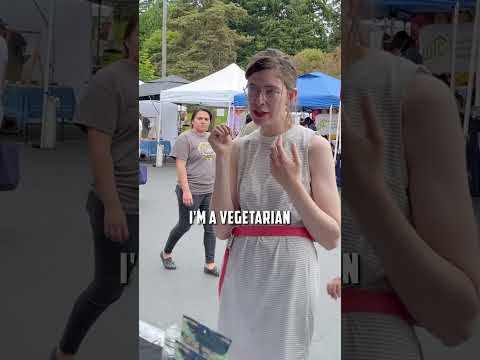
[[159, 159], [46, 74], [473, 57], [454, 45]]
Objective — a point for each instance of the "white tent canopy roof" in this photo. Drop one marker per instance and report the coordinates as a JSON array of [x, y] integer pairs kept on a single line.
[[217, 89]]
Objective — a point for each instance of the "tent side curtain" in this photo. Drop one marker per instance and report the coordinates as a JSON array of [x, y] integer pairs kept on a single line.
[[206, 98], [304, 102]]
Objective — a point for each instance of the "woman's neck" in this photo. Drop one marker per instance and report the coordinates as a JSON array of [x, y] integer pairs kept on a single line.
[[275, 129], [198, 132]]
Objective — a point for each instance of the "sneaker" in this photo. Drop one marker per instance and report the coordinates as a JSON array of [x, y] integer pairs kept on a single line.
[[168, 263], [213, 272]]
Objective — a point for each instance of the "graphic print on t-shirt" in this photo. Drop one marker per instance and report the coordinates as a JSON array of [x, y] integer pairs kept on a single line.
[[206, 151]]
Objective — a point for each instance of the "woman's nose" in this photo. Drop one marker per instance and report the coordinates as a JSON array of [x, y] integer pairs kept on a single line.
[[260, 98]]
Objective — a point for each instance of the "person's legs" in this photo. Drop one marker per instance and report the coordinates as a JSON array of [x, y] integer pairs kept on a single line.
[[108, 283], [209, 239], [183, 224]]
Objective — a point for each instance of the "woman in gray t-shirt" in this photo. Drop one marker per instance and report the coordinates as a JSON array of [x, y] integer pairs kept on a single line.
[[195, 162], [109, 114]]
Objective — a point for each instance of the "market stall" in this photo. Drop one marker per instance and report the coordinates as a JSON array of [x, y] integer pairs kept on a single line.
[[215, 90]]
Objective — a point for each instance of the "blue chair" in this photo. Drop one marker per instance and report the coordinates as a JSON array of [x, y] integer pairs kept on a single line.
[[33, 109], [14, 105], [148, 148], [167, 147]]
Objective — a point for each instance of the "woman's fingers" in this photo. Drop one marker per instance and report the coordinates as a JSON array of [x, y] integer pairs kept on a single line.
[[124, 232], [114, 234], [216, 132], [295, 156], [281, 151], [274, 156]]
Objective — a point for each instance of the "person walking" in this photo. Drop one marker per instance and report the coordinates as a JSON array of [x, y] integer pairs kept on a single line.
[[109, 114], [195, 165]]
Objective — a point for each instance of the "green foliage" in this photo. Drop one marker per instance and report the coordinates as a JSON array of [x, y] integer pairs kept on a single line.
[[206, 35], [146, 69], [310, 60]]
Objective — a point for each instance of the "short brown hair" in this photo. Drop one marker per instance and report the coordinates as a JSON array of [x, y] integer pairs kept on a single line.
[[273, 59]]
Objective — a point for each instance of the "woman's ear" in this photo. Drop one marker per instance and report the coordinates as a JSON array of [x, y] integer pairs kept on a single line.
[[292, 95]]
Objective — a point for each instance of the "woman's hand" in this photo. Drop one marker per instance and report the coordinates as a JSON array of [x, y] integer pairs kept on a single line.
[[187, 198], [115, 223], [286, 171], [334, 288], [220, 140]]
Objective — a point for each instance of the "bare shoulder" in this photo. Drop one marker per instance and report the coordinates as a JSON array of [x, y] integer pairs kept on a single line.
[[425, 92], [319, 145], [430, 105]]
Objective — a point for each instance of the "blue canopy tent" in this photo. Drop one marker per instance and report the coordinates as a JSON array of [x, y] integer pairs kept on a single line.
[[315, 91]]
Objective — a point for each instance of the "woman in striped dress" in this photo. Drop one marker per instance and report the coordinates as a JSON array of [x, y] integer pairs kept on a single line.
[[407, 211], [270, 290]]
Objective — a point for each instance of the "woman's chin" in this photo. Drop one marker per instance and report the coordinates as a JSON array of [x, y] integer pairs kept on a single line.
[[261, 120]]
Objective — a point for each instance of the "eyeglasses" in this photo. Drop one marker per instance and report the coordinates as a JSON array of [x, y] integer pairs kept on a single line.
[[270, 93]]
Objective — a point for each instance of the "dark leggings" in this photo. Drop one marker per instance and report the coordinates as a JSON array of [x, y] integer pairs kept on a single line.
[[114, 263], [200, 202]]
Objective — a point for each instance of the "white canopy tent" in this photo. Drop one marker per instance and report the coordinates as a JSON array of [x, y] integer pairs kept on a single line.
[[216, 90]]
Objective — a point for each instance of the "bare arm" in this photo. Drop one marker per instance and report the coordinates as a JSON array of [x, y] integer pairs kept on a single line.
[[99, 146], [115, 222], [431, 265], [225, 195], [320, 214], [181, 166]]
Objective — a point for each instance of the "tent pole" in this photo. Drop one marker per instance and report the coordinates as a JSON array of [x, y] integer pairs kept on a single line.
[[46, 74], [330, 124], [456, 12], [338, 144], [228, 116], [159, 159], [473, 57]]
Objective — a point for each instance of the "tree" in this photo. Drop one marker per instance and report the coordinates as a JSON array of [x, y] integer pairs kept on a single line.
[[205, 42], [310, 60], [152, 48], [146, 69], [288, 25]]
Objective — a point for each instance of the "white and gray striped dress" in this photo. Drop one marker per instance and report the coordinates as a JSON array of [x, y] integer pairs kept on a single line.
[[384, 78], [269, 296]]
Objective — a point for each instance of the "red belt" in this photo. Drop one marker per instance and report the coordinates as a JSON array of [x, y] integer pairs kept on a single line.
[[367, 301], [274, 230], [353, 300]]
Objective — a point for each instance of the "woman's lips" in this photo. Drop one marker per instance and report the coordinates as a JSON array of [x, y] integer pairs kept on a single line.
[[259, 113]]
